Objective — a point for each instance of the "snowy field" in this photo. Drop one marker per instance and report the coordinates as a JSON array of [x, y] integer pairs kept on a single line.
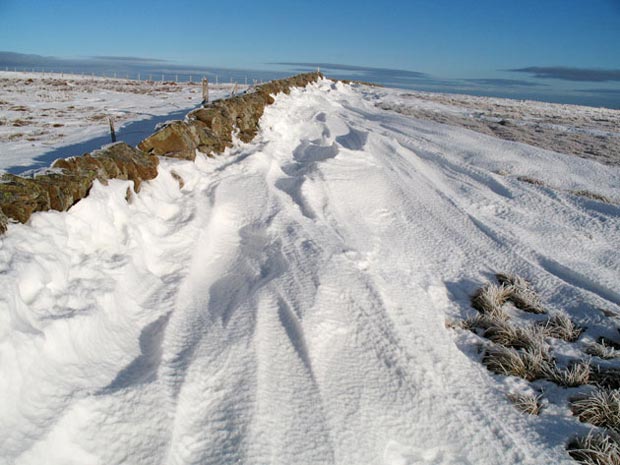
[[583, 131], [43, 113], [293, 301]]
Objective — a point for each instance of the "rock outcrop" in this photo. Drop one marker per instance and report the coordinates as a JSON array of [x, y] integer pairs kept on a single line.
[[208, 130]]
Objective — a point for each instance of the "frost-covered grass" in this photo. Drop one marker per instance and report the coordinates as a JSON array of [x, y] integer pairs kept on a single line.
[[595, 449], [560, 326], [530, 338], [576, 374], [489, 300], [522, 295], [591, 195], [601, 408], [601, 350], [521, 363], [526, 402]]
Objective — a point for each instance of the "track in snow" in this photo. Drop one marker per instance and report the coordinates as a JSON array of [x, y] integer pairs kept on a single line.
[[287, 305]]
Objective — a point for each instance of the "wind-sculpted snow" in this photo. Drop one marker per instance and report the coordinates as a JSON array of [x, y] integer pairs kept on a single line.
[[288, 303]]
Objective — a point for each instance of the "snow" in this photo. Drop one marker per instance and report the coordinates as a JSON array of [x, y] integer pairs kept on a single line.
[[288, 304], [49, 116]]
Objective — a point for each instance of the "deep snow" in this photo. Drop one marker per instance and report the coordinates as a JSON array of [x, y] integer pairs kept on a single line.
[[288, 303]]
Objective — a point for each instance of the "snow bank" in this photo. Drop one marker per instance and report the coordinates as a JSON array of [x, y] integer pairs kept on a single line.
[[288, 303], [209, 129]]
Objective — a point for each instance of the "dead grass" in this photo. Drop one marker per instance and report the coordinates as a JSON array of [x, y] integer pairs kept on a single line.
[[602, 408], [526, 403], [601, 350], [523, 296], [591, 196], [512, 280], [478, 321], [529, 180], [560, 326], [511, 362], [530, 338], [489, 299], [577, 374], [595, 449]]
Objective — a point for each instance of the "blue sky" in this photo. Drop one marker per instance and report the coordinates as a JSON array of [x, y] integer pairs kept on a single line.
[[444, 39]]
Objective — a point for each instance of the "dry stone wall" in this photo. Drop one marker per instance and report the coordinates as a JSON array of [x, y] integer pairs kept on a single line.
[[208, 130]]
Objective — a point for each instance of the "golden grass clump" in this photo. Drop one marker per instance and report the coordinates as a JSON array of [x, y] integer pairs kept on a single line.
[[601, 408]]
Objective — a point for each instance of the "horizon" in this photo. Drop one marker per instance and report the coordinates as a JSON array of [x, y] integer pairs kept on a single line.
[[561, 51], [143, 68]]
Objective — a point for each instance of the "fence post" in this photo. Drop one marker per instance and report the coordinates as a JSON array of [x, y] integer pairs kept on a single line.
[[112, 133], [205, 90]]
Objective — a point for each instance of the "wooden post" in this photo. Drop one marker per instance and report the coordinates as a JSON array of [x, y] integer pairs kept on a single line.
[[234, 90], [205, 90], [112, 133]]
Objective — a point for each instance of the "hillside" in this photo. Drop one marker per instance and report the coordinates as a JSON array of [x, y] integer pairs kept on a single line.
[[298, 299]]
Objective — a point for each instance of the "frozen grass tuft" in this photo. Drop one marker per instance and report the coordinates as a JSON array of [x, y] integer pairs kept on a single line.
[[601, 408], [526, 403], [511, 362], [512, 280], [530, 338], [595, 449], [530, 180], [478, 321], [489, 299], [601, 350], [591, 196], [523, 296], [560, 326], [575, 375]]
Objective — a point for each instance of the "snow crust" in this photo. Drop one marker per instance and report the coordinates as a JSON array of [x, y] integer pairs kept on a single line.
[[288, 303]]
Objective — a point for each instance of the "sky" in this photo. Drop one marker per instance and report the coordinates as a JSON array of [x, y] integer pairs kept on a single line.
[[552, 46]]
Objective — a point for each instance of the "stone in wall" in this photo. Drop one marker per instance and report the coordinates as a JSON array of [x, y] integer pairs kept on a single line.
[[71, 179]]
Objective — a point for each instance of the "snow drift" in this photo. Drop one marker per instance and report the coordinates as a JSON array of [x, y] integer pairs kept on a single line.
[[287, 304]]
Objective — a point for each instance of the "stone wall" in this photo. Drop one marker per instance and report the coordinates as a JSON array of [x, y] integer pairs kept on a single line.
[[208, 130]]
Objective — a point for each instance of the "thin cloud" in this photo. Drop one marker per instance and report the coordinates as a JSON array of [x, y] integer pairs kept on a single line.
[[571, 74], [367, 70], [611, 92], [128, 59], [505, 83]]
